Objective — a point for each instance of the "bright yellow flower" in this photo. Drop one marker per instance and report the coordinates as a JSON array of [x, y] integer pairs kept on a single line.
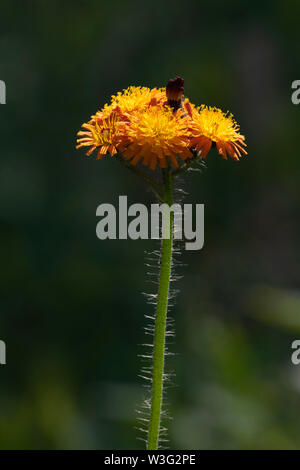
[[212, 125], [155, 134], [135, 98]]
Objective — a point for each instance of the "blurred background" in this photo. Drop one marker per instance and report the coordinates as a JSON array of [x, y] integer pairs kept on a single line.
[[71, 305]]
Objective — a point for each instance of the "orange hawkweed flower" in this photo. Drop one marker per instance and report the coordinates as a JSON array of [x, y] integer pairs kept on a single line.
[[103, 133], [135, 99], [155, 134], [210, 125], [154, 125]]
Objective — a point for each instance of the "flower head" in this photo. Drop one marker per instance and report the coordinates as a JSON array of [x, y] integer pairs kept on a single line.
[[156, 134], [159, 124], [210, 125], [136, 99], [103, 133]]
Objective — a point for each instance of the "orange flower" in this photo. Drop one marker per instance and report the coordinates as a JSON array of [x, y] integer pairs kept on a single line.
[[135, 99], [212, 125], [154, 135], [104, 133], [153, 125]]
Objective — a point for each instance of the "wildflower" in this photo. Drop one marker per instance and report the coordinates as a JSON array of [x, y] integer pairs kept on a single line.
[[210, 125], [135, 98], [156, 134], [103, 133], [159, 126], [154, 125]]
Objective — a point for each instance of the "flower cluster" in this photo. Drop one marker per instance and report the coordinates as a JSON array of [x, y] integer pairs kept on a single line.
[[160, 125]]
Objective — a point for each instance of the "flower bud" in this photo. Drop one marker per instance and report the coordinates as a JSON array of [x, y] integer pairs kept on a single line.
[[174, 91]]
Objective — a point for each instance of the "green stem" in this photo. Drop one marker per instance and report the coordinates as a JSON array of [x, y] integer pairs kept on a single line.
[[160, 321]]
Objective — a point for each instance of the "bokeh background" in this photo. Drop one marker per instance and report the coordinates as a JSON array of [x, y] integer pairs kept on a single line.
[[71, 305]]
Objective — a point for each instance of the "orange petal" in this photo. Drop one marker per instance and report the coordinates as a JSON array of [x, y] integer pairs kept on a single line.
[[163, 162], [173, 160]]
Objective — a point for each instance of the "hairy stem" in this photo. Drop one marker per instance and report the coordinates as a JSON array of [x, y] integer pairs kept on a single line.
[[160, 320], [189, 163]]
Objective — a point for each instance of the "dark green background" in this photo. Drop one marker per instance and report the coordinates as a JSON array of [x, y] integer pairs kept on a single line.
[[72, 306]]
